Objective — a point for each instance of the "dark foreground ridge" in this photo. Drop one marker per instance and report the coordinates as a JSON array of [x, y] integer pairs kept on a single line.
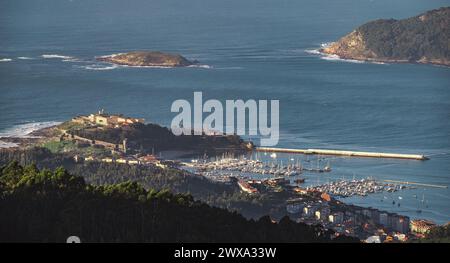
[[419, 39], [49, 206]]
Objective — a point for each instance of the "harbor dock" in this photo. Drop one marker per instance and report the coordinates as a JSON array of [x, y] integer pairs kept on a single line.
[[344, 153], [418, 184]]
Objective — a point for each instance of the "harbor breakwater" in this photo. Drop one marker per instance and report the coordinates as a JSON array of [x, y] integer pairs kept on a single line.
[[344, 153]]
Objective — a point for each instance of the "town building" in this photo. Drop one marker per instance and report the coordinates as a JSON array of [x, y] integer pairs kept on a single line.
[[384, 219], [300, 191], [366, 212], [421, 226], [104, 119], [375, 216], [400, 223], [151, 159], [400, 237], [326, 197], [322, 213], [309, 210], [336, 218], [349, 216], [373, 239], [294, 208]]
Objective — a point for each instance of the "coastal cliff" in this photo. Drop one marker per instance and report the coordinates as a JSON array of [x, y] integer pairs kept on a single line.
[[148, 59], [420, 39]]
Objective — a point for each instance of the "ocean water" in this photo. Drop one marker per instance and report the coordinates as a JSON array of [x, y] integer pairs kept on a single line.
[[248, 49]]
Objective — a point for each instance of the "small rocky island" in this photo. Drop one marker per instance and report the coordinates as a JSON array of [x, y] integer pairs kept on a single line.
[[420, 39], [148, 59]]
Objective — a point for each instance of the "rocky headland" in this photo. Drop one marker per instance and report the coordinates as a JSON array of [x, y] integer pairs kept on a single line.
[[420, 39]]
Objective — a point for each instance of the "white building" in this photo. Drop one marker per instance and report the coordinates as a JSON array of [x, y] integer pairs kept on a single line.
[[384, 218], [309, 210], [336, 218], [373, 239]]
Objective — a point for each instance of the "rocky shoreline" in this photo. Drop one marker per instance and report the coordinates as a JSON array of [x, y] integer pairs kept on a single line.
[[36, 137], [424, 61], [147, 59], [343, 55], [421, 39]]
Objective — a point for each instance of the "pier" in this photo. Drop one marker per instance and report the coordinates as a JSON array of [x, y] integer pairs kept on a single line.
[[418, 184], [344, 153]]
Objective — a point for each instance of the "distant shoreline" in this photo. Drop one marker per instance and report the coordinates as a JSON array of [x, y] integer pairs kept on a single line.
[[382, 60], [35, 137]]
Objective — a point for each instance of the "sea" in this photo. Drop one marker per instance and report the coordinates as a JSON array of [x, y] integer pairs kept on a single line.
[[247, 49]]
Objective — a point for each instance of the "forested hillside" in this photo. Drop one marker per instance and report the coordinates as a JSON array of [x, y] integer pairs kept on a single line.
[[44, 205]]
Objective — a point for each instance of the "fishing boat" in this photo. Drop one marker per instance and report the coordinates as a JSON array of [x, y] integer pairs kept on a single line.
[[246, 187], [327, 168]]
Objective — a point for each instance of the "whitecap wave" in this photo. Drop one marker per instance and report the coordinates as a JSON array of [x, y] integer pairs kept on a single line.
[[71, 60], [313, 51], [24, 130], [325, 44], [200, 66], [232, 68], [291, 51], [336, 58], [110, 56], [379, 62], [5, 59], [99, 67], [62, 57], [56, 56], [331, 57], [24, 58], [7, 144]]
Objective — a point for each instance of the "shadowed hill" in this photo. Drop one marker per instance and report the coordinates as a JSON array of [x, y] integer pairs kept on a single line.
[[49, 206]]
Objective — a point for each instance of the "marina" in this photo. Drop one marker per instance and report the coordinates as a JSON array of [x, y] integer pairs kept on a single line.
[[223, 169], [354, 187], [245, 165], [268, 167], [286, 171]]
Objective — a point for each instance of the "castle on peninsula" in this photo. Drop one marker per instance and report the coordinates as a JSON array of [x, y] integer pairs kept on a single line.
[[105, 119]]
